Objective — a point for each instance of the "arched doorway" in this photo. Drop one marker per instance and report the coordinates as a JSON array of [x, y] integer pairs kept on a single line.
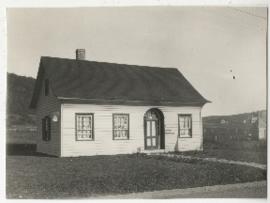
[[154, 136]]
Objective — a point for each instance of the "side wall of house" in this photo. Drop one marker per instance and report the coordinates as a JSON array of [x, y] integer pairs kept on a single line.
[[104, 143], [46, 106]]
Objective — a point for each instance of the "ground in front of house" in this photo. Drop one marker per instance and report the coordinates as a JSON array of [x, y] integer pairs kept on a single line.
[[33, 175], [37, 176]]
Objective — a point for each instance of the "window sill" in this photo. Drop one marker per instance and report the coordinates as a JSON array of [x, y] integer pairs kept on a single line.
[[84, 140]]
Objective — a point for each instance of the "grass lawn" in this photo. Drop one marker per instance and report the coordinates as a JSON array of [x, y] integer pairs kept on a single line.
[[36, 176]]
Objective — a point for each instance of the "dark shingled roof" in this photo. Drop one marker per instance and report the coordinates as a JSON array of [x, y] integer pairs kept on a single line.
[[82, 81]]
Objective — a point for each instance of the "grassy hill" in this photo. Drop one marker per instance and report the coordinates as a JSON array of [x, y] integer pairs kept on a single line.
[[245, 126], [19, 93], [243, 120]]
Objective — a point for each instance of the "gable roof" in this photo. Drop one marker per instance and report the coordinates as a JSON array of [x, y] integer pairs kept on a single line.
[[110, 83]]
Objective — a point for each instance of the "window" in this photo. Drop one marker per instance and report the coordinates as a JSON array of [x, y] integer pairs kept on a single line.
[[185, 125], [46, 128], [46, 87], [120, 126], [84, 126]]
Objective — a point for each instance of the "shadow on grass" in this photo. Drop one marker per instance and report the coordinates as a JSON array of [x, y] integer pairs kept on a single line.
[[24, 150]]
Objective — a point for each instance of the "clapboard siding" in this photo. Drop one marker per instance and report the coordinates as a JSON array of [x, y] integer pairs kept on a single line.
[[45, 107], [104, 143]]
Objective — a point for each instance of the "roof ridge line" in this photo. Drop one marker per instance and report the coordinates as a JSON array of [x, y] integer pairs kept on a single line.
[[105, 62]]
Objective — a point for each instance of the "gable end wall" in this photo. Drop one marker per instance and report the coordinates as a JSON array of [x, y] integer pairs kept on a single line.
[[45, 107]]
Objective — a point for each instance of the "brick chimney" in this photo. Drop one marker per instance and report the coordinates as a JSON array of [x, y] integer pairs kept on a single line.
[[80, 54]]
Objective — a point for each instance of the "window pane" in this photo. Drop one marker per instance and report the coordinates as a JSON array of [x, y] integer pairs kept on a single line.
[[148, 142], [185, 125], [187, 132], [84, 127], [122, 134], [154, 142], [125, 123], [46, 128], [189, 122], [181, 121], [148, 125], [118, 134], [153, 128], [120, 126]]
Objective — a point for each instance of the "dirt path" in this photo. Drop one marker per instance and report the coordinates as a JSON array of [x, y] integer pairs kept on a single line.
[[252, 164], [240, 190]]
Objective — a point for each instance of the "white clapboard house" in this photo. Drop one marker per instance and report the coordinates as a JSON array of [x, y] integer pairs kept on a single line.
[[87, 108]]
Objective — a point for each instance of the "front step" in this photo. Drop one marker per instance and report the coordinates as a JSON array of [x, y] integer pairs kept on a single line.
[[154, 151]]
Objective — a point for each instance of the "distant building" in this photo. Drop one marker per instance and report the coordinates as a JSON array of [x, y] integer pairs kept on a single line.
[[262, 126], [223, 121], [254, 119]]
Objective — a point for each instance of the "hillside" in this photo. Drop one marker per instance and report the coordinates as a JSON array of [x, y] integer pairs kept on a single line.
[[19, 93], [237, 120], [246, 126]]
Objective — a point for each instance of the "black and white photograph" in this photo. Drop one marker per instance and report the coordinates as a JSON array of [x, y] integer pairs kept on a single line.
[[136, 102]]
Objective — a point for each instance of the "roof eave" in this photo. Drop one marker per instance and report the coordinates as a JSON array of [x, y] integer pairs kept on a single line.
[[128, 102], [37, 87]]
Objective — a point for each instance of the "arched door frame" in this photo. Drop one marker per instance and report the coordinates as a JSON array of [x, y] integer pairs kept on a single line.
[[158, 122]]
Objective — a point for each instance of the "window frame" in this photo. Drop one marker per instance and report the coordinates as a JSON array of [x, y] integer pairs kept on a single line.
[[46, 135], [191, 131], [93, 132], [128, 130]]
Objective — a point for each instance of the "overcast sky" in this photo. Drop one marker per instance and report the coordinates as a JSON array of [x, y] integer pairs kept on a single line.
[[208, 45]]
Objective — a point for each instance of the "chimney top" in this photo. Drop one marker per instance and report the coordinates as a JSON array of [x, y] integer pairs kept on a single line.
[[80, 54]]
